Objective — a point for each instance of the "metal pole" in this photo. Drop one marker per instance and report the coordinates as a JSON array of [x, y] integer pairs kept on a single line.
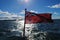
[[24, 24]]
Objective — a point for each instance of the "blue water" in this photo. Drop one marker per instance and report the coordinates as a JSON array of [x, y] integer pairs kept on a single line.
[[52, 29]]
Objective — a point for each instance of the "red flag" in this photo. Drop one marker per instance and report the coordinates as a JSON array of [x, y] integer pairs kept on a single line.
[[37, 18]]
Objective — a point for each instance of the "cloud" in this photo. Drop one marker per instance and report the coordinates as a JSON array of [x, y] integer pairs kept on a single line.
[[8, 15], [55, 17], [33, 11], [54, 6], [55, 13], [22, 12]]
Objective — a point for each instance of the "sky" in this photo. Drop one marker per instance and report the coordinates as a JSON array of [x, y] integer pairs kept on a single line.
[[16, 8]]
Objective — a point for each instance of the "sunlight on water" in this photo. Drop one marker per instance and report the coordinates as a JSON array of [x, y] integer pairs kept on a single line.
[[31, 31]]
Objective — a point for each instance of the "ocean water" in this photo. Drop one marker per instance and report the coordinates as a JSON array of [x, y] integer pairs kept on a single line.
[[12, 30]]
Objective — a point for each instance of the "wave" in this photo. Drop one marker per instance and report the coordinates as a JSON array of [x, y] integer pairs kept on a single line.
[[39, 31]]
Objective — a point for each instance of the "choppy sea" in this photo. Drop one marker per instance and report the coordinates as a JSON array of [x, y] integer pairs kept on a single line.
[[12, 30]]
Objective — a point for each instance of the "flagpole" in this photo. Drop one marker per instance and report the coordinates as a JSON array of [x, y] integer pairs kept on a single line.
[[24, 24]]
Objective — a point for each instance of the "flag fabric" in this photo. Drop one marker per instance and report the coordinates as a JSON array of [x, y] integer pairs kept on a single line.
[[37, 18]]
